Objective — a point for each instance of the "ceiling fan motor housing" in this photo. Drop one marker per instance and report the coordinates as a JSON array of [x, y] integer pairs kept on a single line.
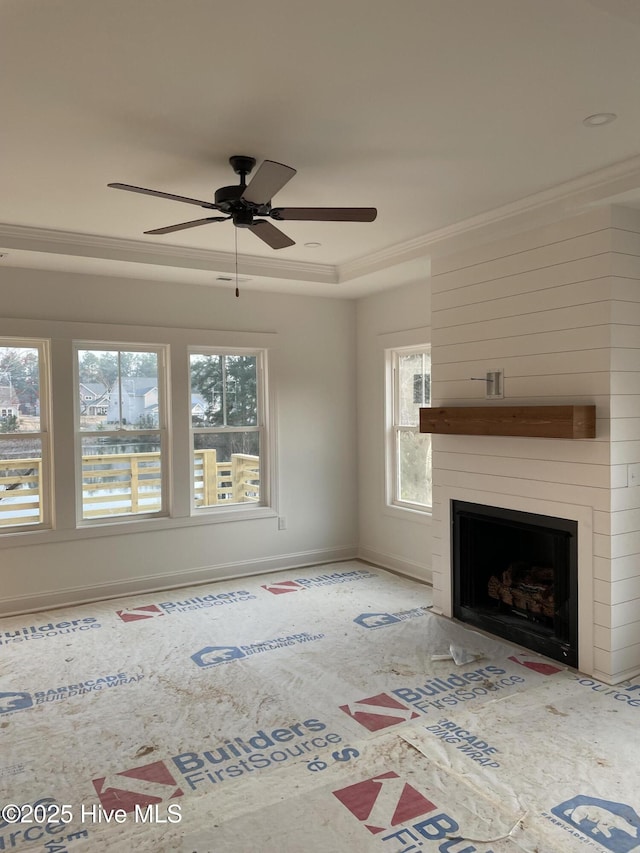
[[243, 218], [229, 200], [226, 198]]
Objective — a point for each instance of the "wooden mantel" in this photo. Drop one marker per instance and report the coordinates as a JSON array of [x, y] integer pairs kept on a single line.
[[532, 421]]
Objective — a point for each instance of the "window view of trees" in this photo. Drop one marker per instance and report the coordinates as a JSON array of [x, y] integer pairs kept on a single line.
[[118, 389], [21, 476], [120, 419], [411, 380], [19, 389], [224, 394], [227, 385], [226, 427]]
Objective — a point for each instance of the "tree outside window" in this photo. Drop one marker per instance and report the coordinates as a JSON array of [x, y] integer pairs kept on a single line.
[[409, 450], [122, 431], [227, 427], [24, 436]]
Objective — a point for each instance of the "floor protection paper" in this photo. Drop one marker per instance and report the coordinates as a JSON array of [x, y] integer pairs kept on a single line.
[[325, 709]]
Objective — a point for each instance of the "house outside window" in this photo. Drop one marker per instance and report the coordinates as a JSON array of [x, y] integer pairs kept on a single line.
[[408, 450], [228, 429], [25, 447], [122, 436]]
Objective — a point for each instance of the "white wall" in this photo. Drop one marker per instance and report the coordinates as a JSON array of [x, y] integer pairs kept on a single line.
[[557, 309], [312, 355], [398, 539]]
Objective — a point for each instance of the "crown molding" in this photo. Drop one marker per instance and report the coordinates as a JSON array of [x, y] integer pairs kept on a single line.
[[564, 199], [568, 198], [111, 248]]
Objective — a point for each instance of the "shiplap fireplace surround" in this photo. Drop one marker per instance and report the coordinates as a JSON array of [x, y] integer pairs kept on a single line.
[[558, 309]]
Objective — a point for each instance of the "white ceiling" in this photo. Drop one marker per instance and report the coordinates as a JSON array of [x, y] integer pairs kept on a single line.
[[441, 113]]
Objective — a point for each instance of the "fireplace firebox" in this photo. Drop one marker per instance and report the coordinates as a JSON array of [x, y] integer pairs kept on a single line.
[[515, 575]]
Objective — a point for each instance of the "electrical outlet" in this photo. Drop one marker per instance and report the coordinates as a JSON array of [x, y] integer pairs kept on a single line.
[[282, 522], [634, 474]]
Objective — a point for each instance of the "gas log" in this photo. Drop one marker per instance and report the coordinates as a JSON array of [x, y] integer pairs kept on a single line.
[[525, 587]]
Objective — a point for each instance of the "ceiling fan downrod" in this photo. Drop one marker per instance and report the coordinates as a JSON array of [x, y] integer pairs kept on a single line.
[[242, 166]]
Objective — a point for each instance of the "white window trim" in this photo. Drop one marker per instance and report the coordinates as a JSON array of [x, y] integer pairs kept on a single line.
[[393, 505], [60, 335], [162, 351], [43, 435], [264, 428]]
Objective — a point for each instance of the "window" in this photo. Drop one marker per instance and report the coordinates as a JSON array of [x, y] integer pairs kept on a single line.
[[409, 450], [228, 428], [122, 437], [24, 435]]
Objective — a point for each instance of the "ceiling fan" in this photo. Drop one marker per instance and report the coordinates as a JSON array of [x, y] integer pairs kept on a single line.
[[246, 203]]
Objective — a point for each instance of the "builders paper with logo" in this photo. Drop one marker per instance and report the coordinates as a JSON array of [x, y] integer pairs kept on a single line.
[[303, 711]]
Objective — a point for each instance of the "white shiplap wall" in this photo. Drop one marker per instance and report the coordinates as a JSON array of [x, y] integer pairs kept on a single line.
[[558, 310], [618, 617]]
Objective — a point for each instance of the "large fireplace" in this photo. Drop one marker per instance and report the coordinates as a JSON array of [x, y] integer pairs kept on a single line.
[[515, 575]]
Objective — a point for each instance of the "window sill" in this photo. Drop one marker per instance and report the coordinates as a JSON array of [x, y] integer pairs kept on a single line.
[[17, 539]]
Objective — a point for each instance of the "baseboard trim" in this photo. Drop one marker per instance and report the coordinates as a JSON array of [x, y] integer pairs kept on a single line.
[[55, 599], [394, 563], [617, 678]]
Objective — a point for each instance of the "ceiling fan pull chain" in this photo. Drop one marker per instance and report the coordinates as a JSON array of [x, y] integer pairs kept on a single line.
[[235, 231]]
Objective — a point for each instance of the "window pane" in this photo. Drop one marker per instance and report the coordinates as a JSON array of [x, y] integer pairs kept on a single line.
[[226, 468], [19, 389], [206, 390], [118, 390], [121, 476], [224, 390], [240, 390], [414, 467], [413, 387], [98, 376], [20, 481]]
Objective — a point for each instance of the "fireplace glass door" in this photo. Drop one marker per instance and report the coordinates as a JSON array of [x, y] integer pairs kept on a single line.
[[515, 575]]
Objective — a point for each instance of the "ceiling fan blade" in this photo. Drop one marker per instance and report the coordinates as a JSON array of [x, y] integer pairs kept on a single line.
[[170, 196], [169, 229], [271, 235], [325, 214], [266, 182]]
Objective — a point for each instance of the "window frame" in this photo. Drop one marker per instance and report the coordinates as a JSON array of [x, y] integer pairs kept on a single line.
[[43, 435], [262, 428], [393, 501], [162, 430]]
